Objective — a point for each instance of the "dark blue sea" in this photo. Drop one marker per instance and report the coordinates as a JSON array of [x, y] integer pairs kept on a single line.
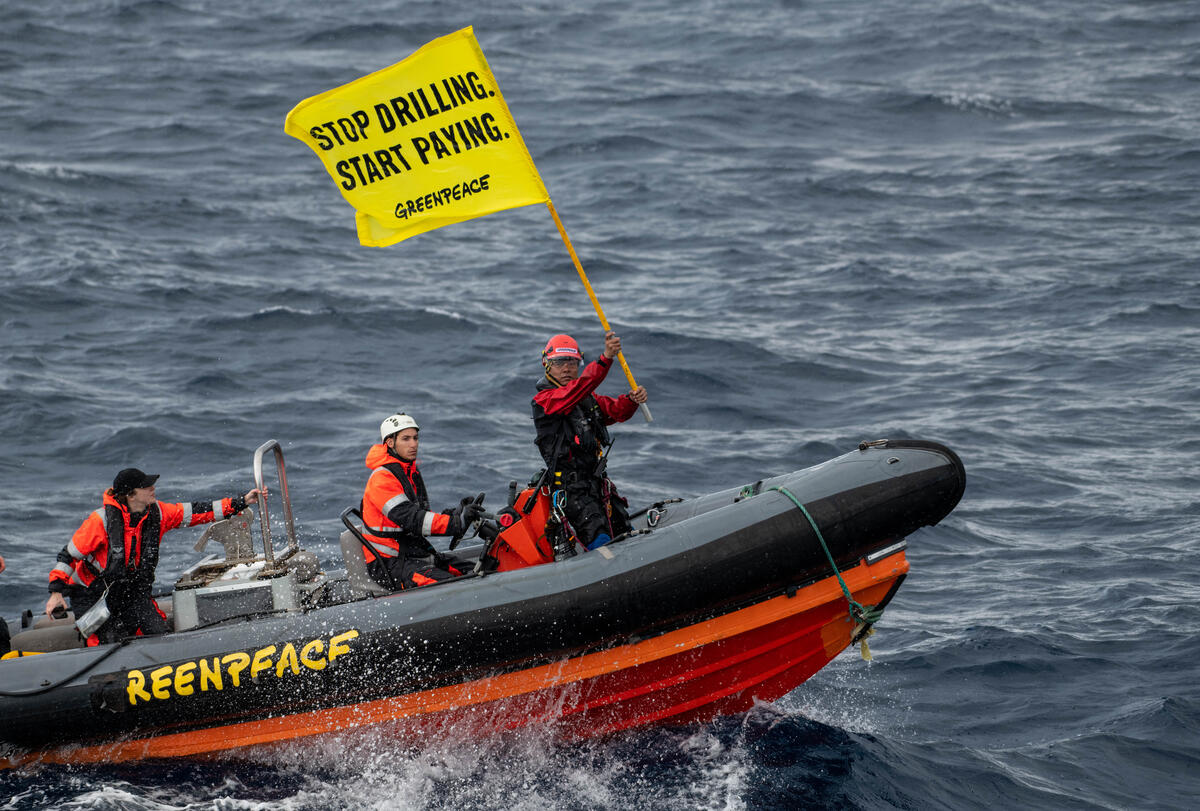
[[812, 223]]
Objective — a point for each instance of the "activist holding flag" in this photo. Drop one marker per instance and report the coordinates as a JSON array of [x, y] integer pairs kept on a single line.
[[572, 435], [428, 142]]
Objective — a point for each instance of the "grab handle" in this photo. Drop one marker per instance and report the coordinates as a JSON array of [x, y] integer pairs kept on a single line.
[[268, 547]]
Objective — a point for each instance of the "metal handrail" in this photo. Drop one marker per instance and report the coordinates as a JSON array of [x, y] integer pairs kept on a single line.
[[268, 548]]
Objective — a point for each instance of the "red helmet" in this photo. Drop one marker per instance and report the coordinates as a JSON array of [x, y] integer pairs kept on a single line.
[[561, 346]]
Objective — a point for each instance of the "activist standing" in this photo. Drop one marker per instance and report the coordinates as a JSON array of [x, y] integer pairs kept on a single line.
[[572, 435], [114, 553]]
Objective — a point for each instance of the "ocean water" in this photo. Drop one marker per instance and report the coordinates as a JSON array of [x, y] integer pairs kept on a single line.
[[812, 223]]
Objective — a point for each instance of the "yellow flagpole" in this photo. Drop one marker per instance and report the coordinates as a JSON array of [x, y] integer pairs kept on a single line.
[[595, 302]]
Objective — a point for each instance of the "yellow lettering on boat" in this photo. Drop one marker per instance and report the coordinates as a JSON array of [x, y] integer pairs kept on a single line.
[[237, 663], [135, 688], [210, 674], [183, 679], [160, 681], [338, 646], [186, 678], [287, 660], [262, 661], [316, 646]]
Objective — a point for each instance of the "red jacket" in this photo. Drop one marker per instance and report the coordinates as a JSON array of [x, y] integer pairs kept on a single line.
[[561, 399], [570, 420], [86, 555], [395, 508]]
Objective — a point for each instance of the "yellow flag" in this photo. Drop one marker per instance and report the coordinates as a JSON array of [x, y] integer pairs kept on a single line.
[[425, 143]]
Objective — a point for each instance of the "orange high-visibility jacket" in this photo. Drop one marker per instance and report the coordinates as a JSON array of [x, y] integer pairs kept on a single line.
[[107, 547], [395, 508]]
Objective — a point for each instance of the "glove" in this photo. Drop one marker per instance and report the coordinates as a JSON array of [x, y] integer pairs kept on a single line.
[[471, 510], [456, 528], [463, 516]]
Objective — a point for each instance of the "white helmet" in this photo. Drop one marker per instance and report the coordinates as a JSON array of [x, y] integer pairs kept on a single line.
[[396, 422]]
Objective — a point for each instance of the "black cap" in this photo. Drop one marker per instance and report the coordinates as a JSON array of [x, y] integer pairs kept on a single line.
[[130, 479]]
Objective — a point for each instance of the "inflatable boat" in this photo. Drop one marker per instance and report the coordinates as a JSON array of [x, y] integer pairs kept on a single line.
[[708, 605]]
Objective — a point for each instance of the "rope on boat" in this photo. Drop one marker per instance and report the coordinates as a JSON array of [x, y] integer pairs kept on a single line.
[[867, 615], [45, 688]]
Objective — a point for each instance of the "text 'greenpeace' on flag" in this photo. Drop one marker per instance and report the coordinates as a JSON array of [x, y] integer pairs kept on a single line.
[[424, 143]]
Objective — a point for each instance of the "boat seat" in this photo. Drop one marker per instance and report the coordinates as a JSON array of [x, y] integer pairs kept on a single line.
[[361, 583], [46, 634]]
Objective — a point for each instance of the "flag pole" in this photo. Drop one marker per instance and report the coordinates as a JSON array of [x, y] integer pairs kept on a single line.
[[595, 302]]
